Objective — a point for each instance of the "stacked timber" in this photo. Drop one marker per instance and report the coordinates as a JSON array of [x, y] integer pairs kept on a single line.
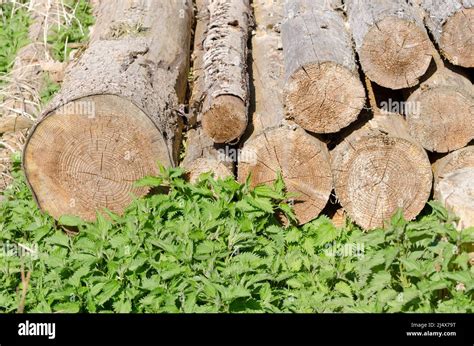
[[275, 146], [280, 98], [115, 116]]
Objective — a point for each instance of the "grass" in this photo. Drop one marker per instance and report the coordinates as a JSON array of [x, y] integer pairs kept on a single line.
[[73, 30], [14, 24]]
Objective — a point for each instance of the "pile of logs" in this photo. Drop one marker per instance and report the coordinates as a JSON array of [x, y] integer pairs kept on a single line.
[[277, 86]]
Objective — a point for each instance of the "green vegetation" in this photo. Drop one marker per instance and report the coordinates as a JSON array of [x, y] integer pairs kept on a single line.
[[49, 89], [216, 246], [74, 31], [14, 24]]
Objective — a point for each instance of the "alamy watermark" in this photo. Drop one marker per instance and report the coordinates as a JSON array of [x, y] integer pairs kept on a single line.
[[19, 250], [246, 155], [335, 249], [400, 107], [85, 108]]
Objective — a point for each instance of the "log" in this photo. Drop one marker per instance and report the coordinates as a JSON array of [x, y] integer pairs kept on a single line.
[[323, 92], [451, 24], [303, 161], [202, 154], [115, 116], [224, 115], [392, 42], [267, 68], [454, 184], [274, 145], [440, 113], [379, 168]]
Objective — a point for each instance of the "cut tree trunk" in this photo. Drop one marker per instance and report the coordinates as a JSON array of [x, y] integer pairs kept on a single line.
[[202, 154], [440, 113], [323, 91], [380, 168], [452, 25], [274, 146], [392, 42], [115, 116], [225, 107], [454, 184]]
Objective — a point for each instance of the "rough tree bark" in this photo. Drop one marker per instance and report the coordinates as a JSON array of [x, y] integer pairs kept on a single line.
[[440, 113], [202, 154], [452, 25], [392, 42], [115, 115], [380, 168], [224, 115], [274, 146], [454, 184], [323, 91]]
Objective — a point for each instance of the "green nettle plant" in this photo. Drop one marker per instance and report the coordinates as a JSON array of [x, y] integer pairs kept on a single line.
[[217, 246]]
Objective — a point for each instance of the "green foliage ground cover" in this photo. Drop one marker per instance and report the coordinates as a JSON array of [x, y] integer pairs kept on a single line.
[[216, 246]]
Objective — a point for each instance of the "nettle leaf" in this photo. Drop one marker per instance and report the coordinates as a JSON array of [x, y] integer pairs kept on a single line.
[[75, 279], [326, 232], [390, 254], [71, 307], [123, 307], [264, 204], [343, 288], [70, 220], [58, 238], [267, 191], [109, 289], [149, 182], [293, 236]]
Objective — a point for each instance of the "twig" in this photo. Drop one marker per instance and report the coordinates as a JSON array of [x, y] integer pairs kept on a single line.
[[25, 282]]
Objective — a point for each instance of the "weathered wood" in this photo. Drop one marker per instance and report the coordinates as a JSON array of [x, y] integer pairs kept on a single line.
[[440, 113], [454, 184], [274, 145], [224, 114], [115, 116], [267, 67], [452, 23], [202, 154], [392, 42], [323, 92], [378, 169]]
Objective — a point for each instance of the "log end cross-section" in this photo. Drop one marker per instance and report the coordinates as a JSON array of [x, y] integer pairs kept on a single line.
[[379, 169], [303, 161], [86, 156]]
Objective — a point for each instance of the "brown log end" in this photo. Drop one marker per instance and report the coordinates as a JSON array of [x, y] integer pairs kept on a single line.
[[441, 118], [206, 165], [454, 184], [456, 42], [86, 156], [377, 174], [324, 98], [226, 119], [395, 53], [303, 161], [456, 192]]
